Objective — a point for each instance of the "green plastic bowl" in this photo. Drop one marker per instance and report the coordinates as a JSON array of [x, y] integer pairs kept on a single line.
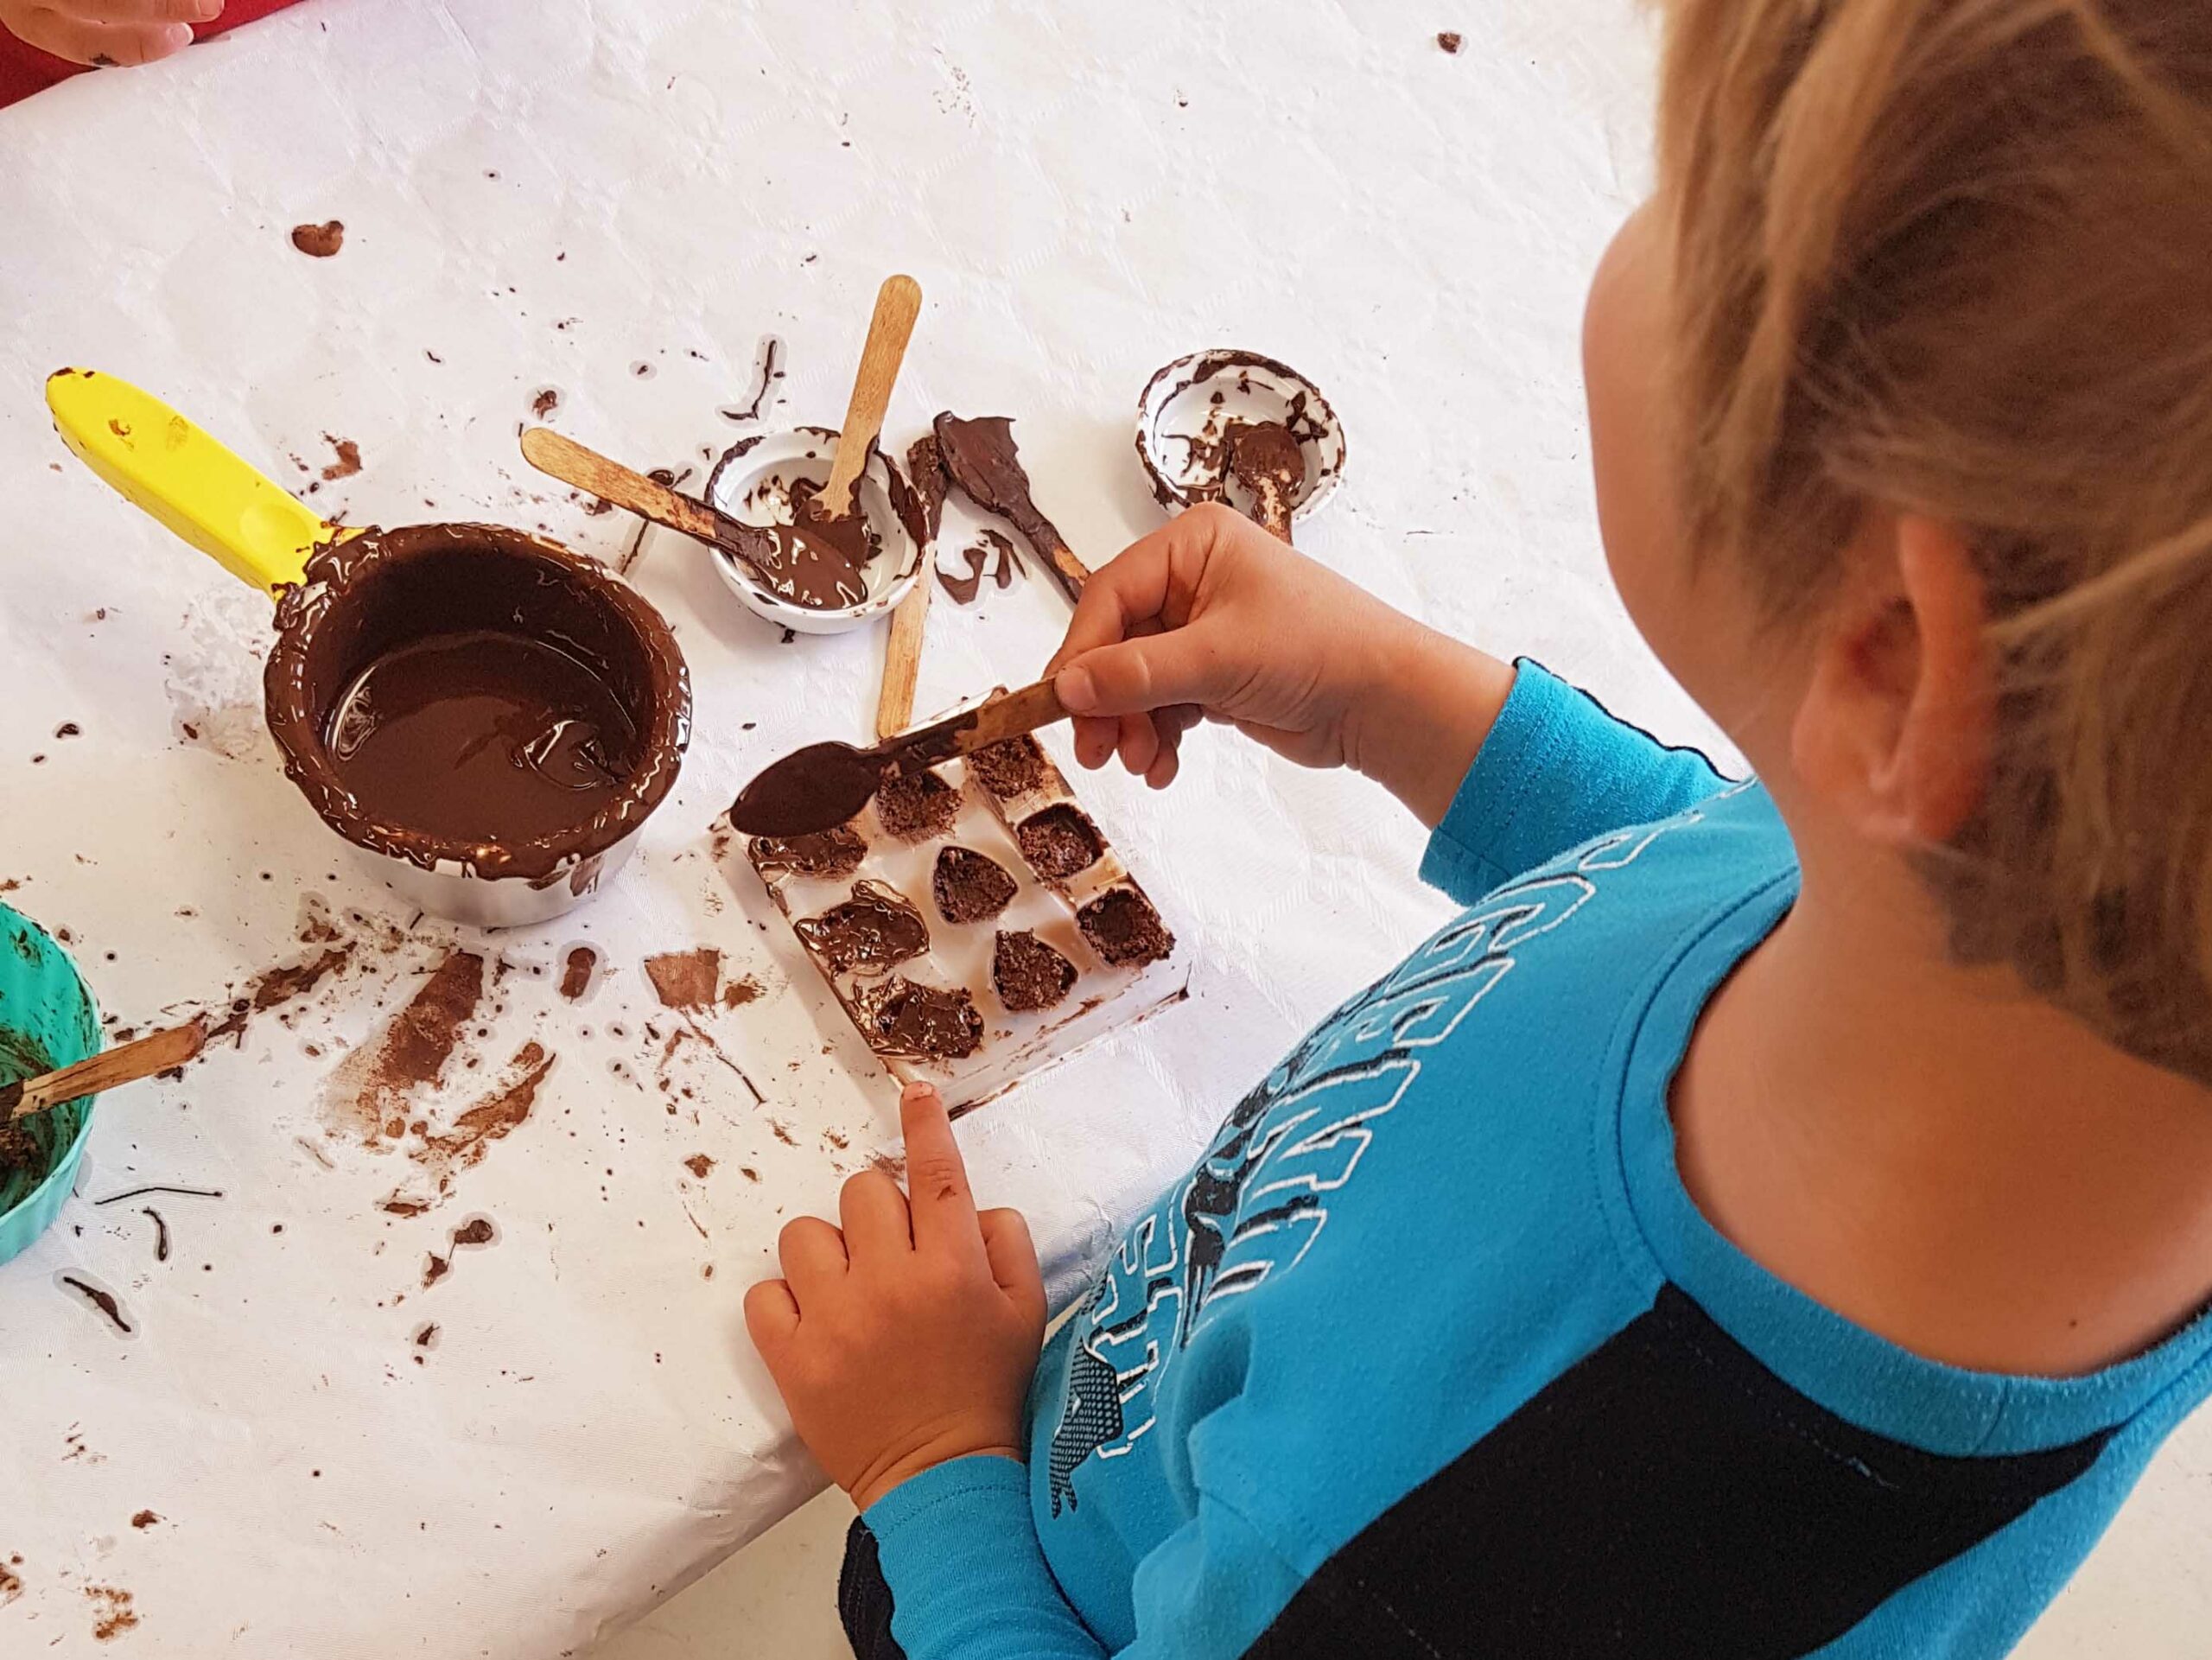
[[47, 1019]]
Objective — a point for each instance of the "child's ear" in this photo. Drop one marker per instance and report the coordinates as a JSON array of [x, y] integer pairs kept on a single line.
[[1895, 729]]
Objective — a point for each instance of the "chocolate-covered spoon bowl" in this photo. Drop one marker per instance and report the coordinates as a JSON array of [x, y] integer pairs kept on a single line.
[[488, 717]]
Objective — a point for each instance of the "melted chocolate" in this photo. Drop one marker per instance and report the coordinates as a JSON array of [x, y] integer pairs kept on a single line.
[[983, 459], [1059, 842], [963, 589], [481, 737], [916, 805], [924, 1022], [874, 929], [1123, 928], [1009, 564], [1264, 457], [836, 852], [970, 886], [809, 790], [420, 684], [1027, 974], [815, 561]]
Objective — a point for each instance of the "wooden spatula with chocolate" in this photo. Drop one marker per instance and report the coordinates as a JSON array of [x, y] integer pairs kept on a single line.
[[825, 784], [980, 457]]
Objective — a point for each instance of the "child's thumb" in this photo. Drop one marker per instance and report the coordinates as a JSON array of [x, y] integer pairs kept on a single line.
[[1139, 676]]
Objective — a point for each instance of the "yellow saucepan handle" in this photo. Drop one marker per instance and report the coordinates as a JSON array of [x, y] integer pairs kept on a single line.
[[256, 530]]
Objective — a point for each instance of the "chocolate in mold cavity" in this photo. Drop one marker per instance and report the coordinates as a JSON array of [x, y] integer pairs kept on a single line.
[[826, 853], [1123, 928], [1010, 767], [875, 929], [1027, 974], [916, 805], [970, 887], [908, 1019], [1059, 842], [479, 635]]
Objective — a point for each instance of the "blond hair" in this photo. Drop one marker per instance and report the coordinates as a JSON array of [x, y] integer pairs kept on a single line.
[[1955, 256]]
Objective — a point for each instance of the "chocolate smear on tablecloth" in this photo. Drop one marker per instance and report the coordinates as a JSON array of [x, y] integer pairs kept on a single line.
[[983, 459], [491, 1119], [1027, 974], [435, 1270], [962, 589], [920, 1022], [426, 1335], [111, 1611], [916, 805], [577, 971], [545, 403], [160, 1233], [768, 369], [1010, 767], [399, 1205], [320, 241], [1007, 565], [826, 853], [738, 993], [686, 980], [1123, 928], [349, 458], [102, 1301], [273, 988], [1059, 842], [873, 931], [477, 1230], [369, 1095], [158, 1187], [970, 887], [145, 1519], [700, 1166], [466, 695]]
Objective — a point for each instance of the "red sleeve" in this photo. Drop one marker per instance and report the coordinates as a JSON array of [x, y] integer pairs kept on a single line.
[[25, 69]]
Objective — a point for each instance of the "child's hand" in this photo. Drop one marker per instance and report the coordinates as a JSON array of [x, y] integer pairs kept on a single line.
[[107, 32], [908, 1338], [1212, 617]]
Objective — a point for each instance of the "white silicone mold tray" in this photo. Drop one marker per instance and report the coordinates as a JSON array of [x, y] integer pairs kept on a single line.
[[1105, 996]]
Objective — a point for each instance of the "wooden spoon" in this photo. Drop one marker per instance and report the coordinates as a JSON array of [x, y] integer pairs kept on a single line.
[[898, 302], [559, 457], [125, 1064], [822, 786]]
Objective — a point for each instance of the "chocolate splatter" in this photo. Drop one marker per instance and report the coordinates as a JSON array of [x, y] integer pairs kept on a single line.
[[545, 403], [1449, 40], [478, 1230], [575, 972], [686, 980], [769, 369], [435, 1270], [1009, 563], [495, 1117], [349, 458], [320, 241], [738, 993], [397, 1205], [159, 1187], [273, 987], [412, 1051], [102, 1301], [160, 1234], [700, 1166], [145, 1519], [962, 589], [111, 1614]]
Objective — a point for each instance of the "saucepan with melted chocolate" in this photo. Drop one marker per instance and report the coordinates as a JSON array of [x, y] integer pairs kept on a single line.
[[487, 715]]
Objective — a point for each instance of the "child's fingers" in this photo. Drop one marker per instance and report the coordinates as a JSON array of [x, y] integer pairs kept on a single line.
[[81, 40], [1130, 591], [1014, 1258], [147, 11], [873, 1214], [1095, 740], [937, 1176], [771, 1318], [1184, 665], [813, 1256]]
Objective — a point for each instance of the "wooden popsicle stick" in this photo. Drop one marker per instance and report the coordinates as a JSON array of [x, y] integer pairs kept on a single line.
[[125, 1064], [898, 302], [1010, 716], [559, 457], [902, 658]]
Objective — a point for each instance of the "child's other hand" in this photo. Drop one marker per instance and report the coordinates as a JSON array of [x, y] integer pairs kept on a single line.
[[106, 33], [1212, 618], [907, 1338]]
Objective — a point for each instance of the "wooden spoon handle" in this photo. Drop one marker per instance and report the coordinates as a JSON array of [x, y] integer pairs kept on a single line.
[[125, 1064], [898, 302], [902, 659], [1070, 572], [1010, 716], [560, 457]]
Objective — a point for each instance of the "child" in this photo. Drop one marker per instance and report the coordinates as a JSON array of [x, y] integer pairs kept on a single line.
[[1775, 1220], [46, 41]]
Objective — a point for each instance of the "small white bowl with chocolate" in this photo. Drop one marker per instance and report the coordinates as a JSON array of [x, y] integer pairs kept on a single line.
[[811, 583], [1236, 427]]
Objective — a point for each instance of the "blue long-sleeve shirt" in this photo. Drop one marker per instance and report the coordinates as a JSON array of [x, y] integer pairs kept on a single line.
[[1432, 1354]]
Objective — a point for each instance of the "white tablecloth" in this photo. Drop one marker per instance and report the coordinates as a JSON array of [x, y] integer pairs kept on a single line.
[[616, 201]]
